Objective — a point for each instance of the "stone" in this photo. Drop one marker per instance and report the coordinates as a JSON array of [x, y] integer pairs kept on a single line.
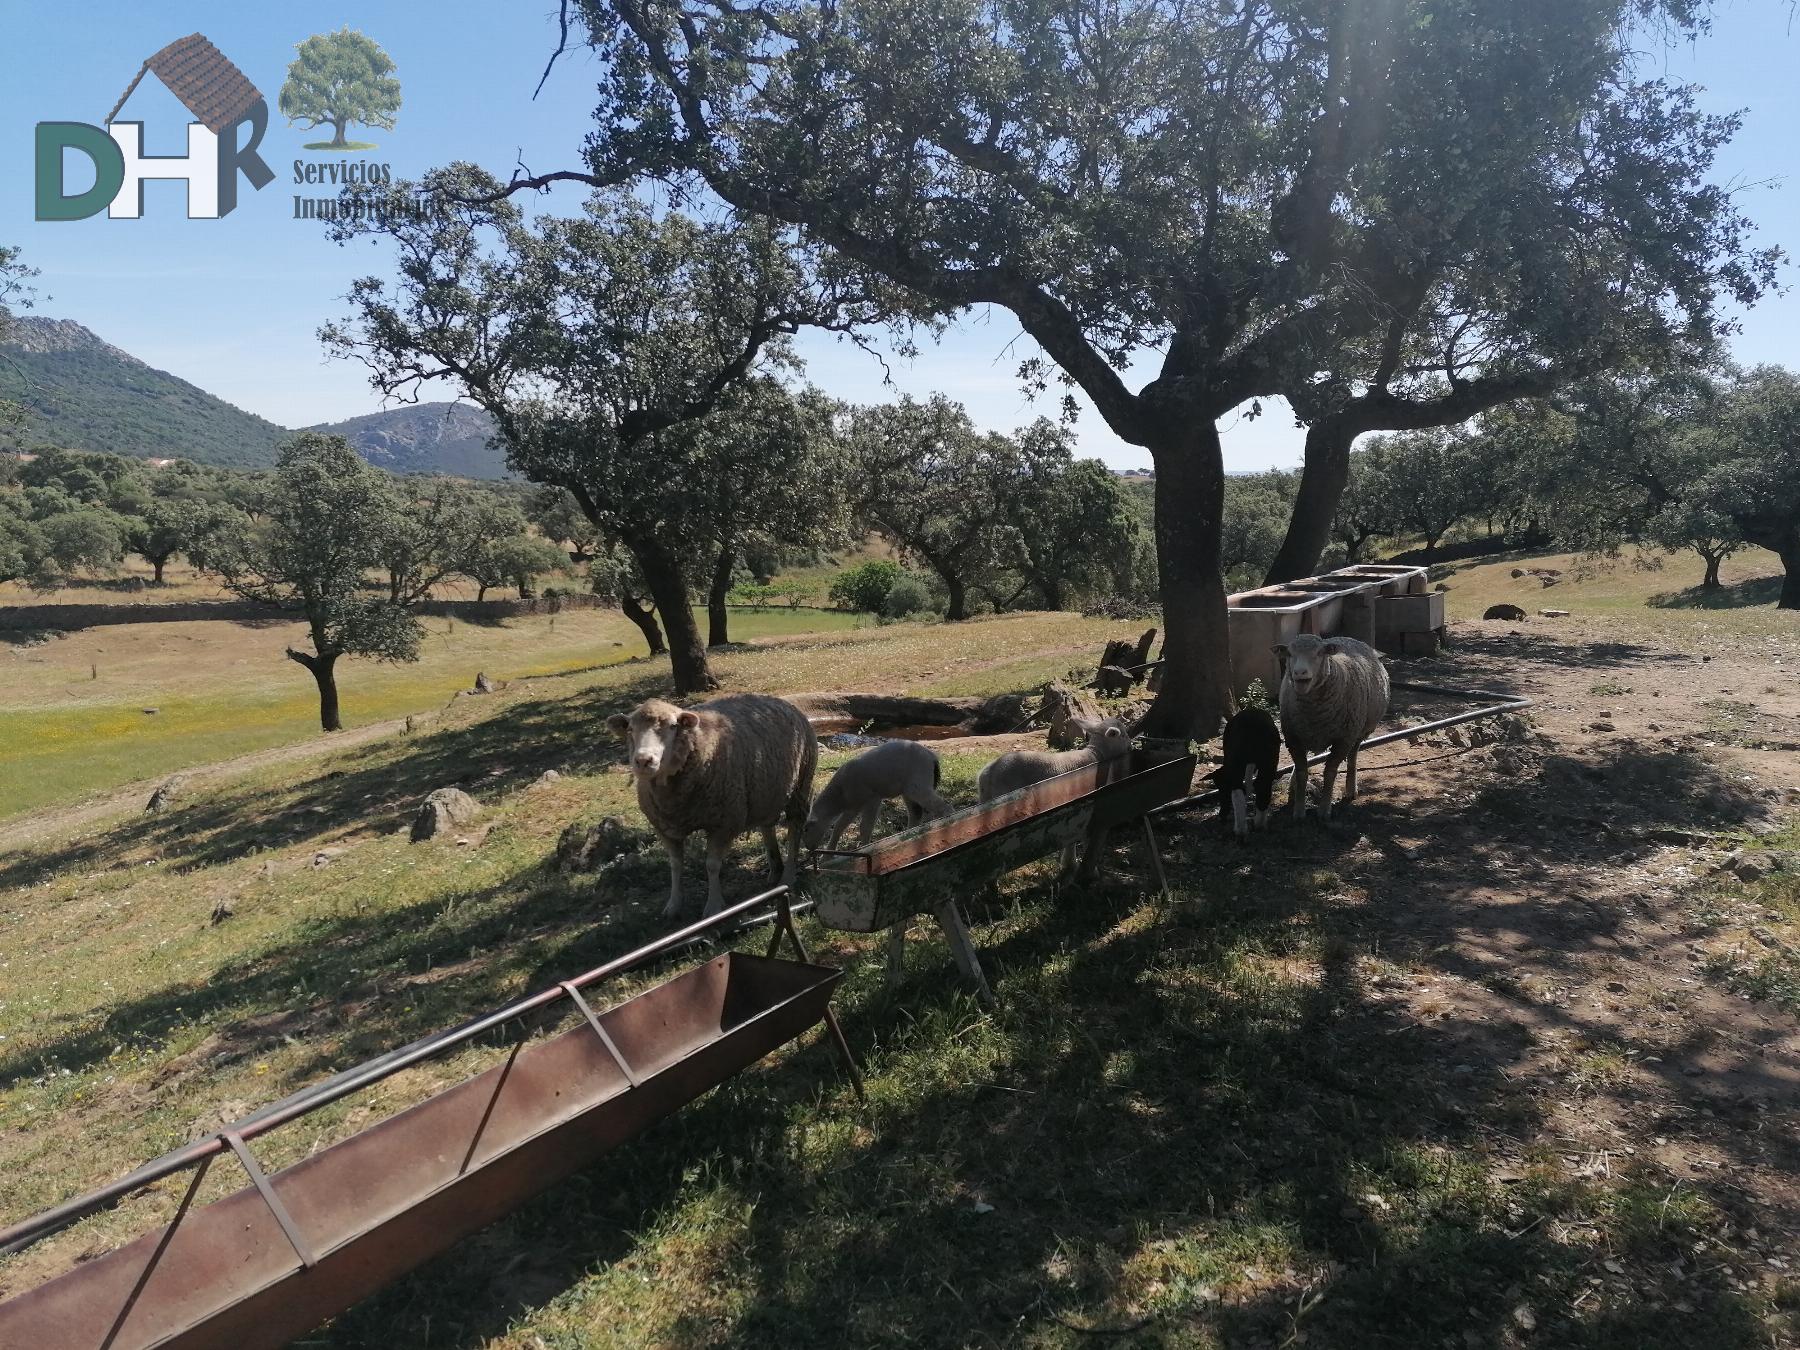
[[441, 812], [547, 777], [1750, 866], [1553, 613], [326, 856], [483, 685]]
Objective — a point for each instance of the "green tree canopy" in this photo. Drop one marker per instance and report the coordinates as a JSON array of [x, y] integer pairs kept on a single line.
[[323, 514], [1261, 192], [339, 78]]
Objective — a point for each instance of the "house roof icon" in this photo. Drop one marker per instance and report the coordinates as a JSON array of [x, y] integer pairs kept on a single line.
[[216, 92]]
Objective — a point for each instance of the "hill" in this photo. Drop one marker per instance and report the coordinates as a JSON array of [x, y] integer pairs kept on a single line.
[[425, 438], [86, 394]]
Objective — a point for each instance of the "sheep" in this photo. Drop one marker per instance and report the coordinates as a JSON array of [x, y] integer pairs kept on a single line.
[[1252, 747], [1333, 693], [730, 765], [903, 769], [1107, 739]]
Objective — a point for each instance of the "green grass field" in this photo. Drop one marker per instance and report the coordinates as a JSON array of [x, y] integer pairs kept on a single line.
[[1188, 1123], [73, 707]]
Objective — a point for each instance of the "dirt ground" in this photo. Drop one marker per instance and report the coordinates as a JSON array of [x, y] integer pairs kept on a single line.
[[1536, 898]]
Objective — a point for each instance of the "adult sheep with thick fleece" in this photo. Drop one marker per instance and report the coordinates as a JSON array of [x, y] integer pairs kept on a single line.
[[1334, 691], [903, 769], [725, 767]]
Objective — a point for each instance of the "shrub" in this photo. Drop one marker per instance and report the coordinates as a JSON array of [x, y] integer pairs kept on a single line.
[[907, 596], [865, 587]]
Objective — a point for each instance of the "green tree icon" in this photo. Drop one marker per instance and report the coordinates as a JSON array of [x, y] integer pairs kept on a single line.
[[339, 78]]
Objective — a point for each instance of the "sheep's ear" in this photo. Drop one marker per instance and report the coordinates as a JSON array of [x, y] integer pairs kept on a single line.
[[1081, 724], [1113, 733], [687, 721], [1280, 650], [1332, 648], [618, 723]]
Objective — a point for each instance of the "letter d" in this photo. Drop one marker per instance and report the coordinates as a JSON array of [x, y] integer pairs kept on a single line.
[[109, 170]]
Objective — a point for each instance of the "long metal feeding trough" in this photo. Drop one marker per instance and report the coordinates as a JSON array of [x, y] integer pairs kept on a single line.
[[925, 869], [271, 1261]]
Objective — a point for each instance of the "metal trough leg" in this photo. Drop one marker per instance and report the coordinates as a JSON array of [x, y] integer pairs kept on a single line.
[[181, 1210], [950, 919], [784, 927], [302, 1249], [1156, 862]]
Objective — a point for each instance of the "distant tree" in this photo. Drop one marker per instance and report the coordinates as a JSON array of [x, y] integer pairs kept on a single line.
[[23, 555], [1752, 446], [1703, 525], [339, 78], [1070, 526], [165, 529], [496, 548], [865, 587], [1255, 519], [430, 527], [324, 514], [560, 519], [1363, 510], [765, 466], [931, 484], [1428, 481], [86, 539]]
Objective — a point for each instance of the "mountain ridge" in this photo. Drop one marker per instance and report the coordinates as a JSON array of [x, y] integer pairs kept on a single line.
[[82, 392]]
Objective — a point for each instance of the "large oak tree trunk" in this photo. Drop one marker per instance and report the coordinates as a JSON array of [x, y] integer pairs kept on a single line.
[[668, 588], [718, 617], [645, 619], [1790, 583], [1190, 500], [324, 673], [1710, 582], [158, 564], [959, 601], [1322, 480]]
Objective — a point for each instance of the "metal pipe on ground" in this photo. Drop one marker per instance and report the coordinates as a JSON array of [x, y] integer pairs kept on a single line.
[[1504, 703]]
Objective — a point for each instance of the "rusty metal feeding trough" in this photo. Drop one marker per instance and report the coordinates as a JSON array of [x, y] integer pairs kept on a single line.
[[923, 870], [288, 1251]]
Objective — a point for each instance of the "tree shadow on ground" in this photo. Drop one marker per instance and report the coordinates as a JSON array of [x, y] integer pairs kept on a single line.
[[1208, 1089], [1748, 594], [373, 789]]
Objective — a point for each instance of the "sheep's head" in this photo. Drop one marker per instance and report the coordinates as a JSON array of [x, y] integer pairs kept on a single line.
[[1305, 659], [1109, 736], [653, 736]]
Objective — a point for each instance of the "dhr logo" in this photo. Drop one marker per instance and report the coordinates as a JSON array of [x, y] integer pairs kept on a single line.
[[214, 91]]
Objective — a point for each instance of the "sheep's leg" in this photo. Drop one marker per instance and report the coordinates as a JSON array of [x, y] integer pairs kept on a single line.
[[934, 805], [772, 849], [1240, 813], [796, 825], [1330, 781], [1297, 788], [677, 848], [838, 825], [1350, 775], [715, 867], [865, 826]]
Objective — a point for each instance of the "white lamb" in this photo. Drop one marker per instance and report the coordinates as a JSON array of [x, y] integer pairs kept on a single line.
[[1334, 691], [1107, 739], [903, 769], [730, 765]]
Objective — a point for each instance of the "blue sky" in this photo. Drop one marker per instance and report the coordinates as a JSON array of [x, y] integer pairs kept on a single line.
[[233, 305]]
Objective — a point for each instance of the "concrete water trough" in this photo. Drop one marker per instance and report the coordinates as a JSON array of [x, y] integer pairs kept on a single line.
[[927, 869], [288, 1251], [1384, 604]]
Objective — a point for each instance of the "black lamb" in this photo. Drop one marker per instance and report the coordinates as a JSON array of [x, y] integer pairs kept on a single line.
[[1252, 747]]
